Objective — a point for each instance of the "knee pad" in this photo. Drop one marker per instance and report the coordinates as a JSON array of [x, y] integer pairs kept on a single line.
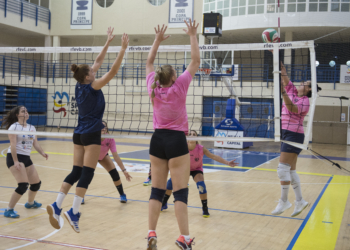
[[201, 187], [283, 171], [181, 195], [114, 174], [35, 187], [169, 185], [86, 177], [22, 188], [74, 176], [157, 194], [294, 177]]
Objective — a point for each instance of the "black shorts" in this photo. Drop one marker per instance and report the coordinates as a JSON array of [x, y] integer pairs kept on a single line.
[[87, 139], [25, 159], [292, 137], [168, 144], [194, 173]]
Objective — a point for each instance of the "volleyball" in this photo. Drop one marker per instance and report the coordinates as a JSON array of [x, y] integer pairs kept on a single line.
[[317, 63], [270, 36], [348, 63], [332, 63]]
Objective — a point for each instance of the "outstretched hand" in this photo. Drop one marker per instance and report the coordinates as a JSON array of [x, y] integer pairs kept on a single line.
[[160, 33], [125, 41], [233, 163], [110, 34], [191, 28]]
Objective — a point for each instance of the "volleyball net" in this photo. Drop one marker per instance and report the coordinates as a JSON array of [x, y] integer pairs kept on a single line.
[[235, 95]]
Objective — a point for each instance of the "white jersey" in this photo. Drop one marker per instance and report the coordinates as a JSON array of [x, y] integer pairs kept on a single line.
[[24, 142]]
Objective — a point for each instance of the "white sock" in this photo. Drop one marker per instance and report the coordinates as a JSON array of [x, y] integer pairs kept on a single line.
[[30, 203], [151, 231], [187, 238], [8, 208], [60, 198], [284, 192], [296, 185], [76, 204]]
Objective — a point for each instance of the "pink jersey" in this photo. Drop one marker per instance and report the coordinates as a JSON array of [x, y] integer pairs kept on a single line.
[[106, 145], [169, 110], [294, 121], [197, 158]]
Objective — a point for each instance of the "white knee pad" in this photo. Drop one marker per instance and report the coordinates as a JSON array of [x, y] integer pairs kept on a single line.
[[294, 177], [283, 171]]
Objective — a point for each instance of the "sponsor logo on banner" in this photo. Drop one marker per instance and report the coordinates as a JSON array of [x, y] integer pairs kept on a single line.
[[81, 14], [344, 74], [228, 144], [60, 102], [179, 11], [209, 30]]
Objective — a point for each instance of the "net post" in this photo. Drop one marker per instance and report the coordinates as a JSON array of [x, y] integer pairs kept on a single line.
[[3, 66], [314, 94], [277, 92]]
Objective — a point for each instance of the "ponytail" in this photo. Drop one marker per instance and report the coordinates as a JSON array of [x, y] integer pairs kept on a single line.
[[11, 117], [163, 75]]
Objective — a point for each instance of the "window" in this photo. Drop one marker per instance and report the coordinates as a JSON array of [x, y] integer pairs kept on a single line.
[[156, 2], [272, 6], [223, 7], [209, 5], [104, 3], [296, 6], [42, 3], [318, 5], [255, 7], [340, 5]]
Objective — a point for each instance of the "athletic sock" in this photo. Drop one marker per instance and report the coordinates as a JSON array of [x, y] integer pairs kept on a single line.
[[31, 203], [205, 203], [187, 238], [60, 198], [284, 192], [165, 199], [120, 189], [149, 231], [76, 204], [297, 188]]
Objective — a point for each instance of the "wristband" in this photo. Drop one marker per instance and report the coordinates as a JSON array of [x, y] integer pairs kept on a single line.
[[124, 170]]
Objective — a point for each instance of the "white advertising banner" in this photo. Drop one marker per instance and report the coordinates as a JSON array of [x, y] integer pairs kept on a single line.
[[344, 74], [179, 11], [81, 16], [228, 133]]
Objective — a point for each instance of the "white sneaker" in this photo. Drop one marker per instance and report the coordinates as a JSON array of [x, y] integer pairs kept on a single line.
[[299, 207], [281, 207]]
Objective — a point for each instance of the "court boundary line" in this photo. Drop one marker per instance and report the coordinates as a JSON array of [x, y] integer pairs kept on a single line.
[[47, 242], [214, 209], [301, 228], [42, 238]]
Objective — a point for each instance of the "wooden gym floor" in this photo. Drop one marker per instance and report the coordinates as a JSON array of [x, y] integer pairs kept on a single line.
[[240, 203]]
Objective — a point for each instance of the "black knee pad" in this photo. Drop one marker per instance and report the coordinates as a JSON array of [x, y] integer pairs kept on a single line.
[[181, 195], [74, 176], [86, 177], [35, 187], [114, 174], [22, 188], [157, 194]]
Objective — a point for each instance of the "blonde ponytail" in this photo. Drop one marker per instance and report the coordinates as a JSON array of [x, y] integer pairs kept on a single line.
[[163, 75]]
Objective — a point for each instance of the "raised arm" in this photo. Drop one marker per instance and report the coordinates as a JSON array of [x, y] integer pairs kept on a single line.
[[195, 58], [99, 59], [284, 76], [153, 52], [219, 159], [99, 83]]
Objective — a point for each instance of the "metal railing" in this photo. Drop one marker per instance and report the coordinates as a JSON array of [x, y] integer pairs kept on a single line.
[[26, 9]]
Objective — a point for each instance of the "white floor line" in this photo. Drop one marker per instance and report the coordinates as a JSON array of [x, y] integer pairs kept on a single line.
[[43, 238]]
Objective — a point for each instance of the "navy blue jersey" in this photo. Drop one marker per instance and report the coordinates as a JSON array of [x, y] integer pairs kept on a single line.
[[91, 105]]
